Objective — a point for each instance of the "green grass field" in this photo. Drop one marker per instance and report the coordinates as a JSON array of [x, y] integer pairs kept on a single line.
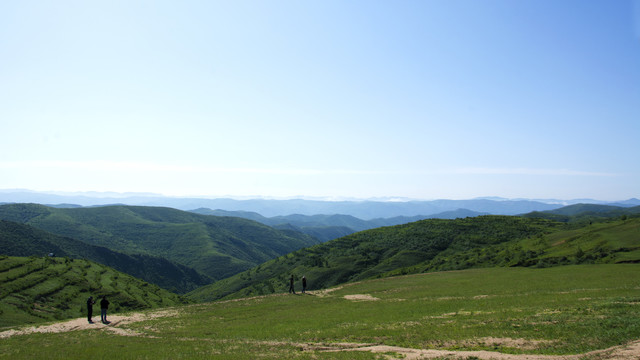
[[555, 311]]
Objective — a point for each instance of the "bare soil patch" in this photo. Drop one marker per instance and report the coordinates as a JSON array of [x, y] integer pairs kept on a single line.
[[361, 297]]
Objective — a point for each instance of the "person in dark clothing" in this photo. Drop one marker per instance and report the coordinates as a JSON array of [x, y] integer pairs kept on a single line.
[[291, 289], [90, 303], [304, 284], [104, 305]]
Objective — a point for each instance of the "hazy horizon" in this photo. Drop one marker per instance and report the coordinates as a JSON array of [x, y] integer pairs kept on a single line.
[[123, 195], [535, 99]]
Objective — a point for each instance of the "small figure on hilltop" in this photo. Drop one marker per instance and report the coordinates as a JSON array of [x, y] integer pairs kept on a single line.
[[291, 289], [104, 305], [304, 284], [90, 303]]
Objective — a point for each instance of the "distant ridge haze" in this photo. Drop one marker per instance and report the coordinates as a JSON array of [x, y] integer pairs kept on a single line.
[[363, 209]]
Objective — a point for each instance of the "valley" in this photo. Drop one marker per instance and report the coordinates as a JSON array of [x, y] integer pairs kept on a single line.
[[216, 247], [53, 258]]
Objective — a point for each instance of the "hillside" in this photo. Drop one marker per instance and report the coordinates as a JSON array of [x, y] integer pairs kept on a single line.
[[613, 241], [375, 252], [438, 245], [214, 246], [321, 227], [561, 313], [24, 240], [37, 289]]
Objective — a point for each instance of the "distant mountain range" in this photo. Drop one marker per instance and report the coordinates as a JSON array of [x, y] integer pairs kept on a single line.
[[329, 227], [365, 209]]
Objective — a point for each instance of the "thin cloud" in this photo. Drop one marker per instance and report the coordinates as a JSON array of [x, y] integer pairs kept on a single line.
[[527, 171]]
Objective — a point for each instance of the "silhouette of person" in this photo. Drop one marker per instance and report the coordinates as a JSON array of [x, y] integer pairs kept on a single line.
[[304, 284], [291, 289], [104, 305], [90, 303]]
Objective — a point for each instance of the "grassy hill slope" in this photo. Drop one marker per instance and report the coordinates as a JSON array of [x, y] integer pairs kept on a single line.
[[613, 241], [438, 245], [37, 289], [24, 240], [555, 311], [375, 252], [215, 246]]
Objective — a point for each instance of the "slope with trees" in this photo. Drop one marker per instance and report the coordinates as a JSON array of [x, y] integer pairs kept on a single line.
[[440, 245], [23, 240], [376, 252], [214, 246]]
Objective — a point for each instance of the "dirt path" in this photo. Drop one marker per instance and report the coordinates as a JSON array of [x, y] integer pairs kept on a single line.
[[83, 324], [629, 351]]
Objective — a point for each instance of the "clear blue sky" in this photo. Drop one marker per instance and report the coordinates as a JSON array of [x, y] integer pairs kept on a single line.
[[420, 99]]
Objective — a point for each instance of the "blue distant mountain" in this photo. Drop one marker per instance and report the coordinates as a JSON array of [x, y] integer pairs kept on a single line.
[[365, 209], [361, 209]]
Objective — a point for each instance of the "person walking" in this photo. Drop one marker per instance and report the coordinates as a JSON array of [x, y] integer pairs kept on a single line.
[[291, 289], [90, 303], [304, 284], [104, 305]]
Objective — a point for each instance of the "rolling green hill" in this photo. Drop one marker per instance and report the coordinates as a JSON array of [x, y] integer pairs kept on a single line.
[[438, 245], [215, 246], [37, 289], [614, 241], [24, 240], [376, 252]]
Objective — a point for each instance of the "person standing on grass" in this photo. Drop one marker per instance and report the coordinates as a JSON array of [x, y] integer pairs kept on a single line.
[[304, 283], [104, 305], [291, 289], [90, 303]]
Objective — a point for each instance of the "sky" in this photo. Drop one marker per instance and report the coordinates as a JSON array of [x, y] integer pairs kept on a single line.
[[424, 99]]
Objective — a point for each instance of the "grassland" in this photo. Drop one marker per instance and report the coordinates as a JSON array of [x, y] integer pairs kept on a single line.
[[37, 289], [553, 311]]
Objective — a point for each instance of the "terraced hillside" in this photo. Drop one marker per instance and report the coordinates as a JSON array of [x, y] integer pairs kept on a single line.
[[24, 240], [37, 289]]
